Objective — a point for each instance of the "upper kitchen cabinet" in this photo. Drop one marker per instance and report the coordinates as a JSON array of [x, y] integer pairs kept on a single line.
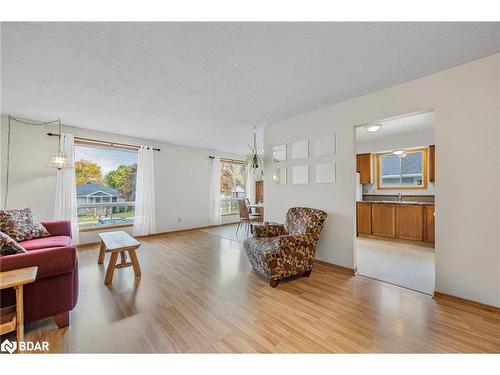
[[432, 163], [363, 167]]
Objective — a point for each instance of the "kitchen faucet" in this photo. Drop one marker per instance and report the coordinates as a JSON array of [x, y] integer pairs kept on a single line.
[[400, 197]]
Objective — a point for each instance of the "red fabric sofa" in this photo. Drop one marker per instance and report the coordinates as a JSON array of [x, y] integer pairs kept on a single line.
[[55, 290]]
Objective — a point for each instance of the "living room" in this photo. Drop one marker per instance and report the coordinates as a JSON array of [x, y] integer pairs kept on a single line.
[[190, 198]]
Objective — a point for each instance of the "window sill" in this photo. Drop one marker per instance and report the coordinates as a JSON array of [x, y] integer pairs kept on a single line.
[[402, 188], [236, 213], [105, 227]]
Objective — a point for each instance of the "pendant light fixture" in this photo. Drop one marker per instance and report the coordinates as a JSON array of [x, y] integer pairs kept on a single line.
[[59, 159]]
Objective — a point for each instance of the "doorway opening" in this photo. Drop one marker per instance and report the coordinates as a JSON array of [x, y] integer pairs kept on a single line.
[[394, 220]]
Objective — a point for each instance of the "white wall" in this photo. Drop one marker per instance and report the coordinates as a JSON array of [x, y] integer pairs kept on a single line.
[[422, 138], [182, 176], [467, 137]]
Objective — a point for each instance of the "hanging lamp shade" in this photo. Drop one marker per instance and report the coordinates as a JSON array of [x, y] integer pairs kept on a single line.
[[59, 160]]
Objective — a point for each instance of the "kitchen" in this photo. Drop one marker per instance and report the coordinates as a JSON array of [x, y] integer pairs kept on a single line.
[[395, 226]]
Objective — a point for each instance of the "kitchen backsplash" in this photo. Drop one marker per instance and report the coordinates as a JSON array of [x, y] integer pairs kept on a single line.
[[392, 197]]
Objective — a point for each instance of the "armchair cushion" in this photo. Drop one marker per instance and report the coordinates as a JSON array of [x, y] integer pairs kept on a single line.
[[21, 225], [8, 246], [268, 230], [46, 242]]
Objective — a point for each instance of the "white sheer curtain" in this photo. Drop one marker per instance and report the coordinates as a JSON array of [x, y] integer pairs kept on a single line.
[[215, 216], [65, 202], [145, 217], [250, 185]]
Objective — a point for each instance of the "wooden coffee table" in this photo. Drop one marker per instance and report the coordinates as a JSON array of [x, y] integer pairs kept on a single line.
[[118, 243]]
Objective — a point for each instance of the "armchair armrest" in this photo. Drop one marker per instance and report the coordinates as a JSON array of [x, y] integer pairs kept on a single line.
[[293, 241], [58, 227], [268, 230], [50, 262]]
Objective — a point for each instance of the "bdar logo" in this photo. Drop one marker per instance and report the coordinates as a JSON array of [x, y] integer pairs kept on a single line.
[[8, 346]]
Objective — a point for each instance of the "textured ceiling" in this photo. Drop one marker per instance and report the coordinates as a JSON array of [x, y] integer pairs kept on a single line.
[[421, 122], [206, 84]]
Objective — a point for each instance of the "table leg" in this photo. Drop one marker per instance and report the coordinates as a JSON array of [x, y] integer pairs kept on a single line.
[[19, 313], [135, 263], [102, 250], [111, 268], [123, 257]]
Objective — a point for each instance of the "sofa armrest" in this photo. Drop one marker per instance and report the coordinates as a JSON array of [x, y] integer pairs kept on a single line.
[[50, 262], [58, 227], [268, 230]]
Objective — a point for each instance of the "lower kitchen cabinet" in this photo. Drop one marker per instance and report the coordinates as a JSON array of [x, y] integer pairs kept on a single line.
[[409, 222], [414, 222], [429, 224], [364, 218], [384, 219]]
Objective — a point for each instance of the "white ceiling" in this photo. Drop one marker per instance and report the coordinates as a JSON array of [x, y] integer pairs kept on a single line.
[[206, 84], [420, 122]]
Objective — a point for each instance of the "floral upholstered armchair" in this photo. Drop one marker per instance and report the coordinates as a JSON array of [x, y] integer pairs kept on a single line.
[[278, 251]]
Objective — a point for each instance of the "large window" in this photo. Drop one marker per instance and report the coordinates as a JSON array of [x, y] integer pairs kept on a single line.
[[105, 185], [407, 171], [232, 186]]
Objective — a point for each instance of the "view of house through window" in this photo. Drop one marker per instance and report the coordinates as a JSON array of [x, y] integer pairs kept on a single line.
[[105, 185], [232, 186], [402, 171]]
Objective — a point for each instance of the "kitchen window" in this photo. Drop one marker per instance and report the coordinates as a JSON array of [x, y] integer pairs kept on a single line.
[[105, 185], [402, 172]]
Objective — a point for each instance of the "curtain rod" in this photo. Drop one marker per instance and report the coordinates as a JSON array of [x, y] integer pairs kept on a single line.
[[99, 141], [228, 160]]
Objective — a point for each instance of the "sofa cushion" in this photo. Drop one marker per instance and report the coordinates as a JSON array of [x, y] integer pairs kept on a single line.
[[46, 242], [21, 225], [8, 246]]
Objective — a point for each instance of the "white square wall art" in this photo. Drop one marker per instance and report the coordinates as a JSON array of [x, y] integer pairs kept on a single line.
[[300, 149], [325, 173], [325, 145], [279, 153], [279, 176], [300, 174]]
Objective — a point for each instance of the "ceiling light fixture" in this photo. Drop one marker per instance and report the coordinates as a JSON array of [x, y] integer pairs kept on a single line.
[[372, 128], [398, 152]]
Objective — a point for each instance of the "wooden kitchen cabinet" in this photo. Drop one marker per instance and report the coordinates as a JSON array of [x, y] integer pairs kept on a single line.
[[429, 223], [363, 167], [383, 220], [409, 222], [432, 163], [364, 218]]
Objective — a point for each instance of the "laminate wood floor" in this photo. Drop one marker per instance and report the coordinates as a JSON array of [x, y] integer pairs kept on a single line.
[[198, 294]]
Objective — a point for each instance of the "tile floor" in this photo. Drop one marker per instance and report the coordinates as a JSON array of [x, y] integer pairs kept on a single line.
[[406, 265]]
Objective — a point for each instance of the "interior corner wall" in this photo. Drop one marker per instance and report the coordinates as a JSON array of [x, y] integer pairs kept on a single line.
[[182, 182], [467, 134]]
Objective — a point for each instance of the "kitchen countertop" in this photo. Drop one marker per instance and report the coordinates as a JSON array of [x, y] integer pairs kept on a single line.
[[400, 202]]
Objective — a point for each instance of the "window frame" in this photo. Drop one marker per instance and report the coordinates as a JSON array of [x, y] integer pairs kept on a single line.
[[425, 172], [92, 144], [233, 161]]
